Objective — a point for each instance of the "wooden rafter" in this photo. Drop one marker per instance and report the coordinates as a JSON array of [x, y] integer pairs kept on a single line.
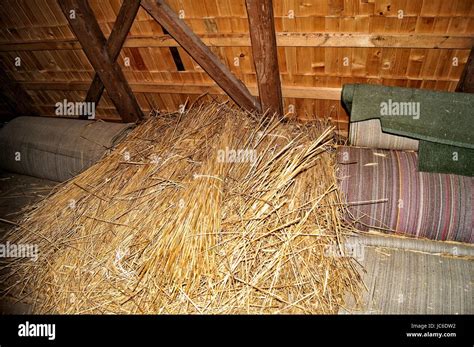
[[84, 25], [284, 39], [265, 54], [323, 93], [122, 25], [17, 99], [466, 81], [193, 45]]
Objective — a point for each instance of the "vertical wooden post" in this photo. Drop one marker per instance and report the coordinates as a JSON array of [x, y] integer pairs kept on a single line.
[[265, 54]]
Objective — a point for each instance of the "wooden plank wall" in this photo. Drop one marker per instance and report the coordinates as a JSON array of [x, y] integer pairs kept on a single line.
[[356, 32]]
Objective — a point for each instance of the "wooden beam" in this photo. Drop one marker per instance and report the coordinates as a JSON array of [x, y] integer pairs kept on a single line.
[[466, 81], [17, 99], [198, 75], [287, 39], [193, 45], [87, 30], [122, 25], [40, 45], [374, 40], [265, 55], [323, 93]]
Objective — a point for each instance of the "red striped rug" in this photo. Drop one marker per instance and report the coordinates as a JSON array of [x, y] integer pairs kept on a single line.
[[384, 190]]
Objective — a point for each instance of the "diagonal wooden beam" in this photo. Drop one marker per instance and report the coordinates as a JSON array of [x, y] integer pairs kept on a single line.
[[122, 25], [466, 81], [87, 30], [193, 45], [17, 99], [265, 54]]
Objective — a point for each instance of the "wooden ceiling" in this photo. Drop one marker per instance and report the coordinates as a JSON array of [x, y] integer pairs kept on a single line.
[[322, 44]]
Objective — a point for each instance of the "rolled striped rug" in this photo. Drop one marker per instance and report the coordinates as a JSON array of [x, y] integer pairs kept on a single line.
[[384, 190]]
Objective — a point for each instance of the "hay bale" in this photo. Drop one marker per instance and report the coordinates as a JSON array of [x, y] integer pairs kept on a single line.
[[177, 220]]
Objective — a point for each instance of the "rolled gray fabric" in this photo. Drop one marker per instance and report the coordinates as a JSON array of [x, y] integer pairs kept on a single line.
[[56, 148]]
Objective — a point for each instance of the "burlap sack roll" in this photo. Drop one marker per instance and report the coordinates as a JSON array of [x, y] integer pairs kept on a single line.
[[54, 148]]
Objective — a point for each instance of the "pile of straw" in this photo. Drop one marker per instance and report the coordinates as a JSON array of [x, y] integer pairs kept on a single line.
[[167, 224]]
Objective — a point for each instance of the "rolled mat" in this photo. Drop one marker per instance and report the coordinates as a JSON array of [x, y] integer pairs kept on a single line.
[[369, 133], [56, 148], [441, 121], [384, 190], [445, 248]]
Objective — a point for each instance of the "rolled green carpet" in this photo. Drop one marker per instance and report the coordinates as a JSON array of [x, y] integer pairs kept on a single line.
[[443, 122]]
